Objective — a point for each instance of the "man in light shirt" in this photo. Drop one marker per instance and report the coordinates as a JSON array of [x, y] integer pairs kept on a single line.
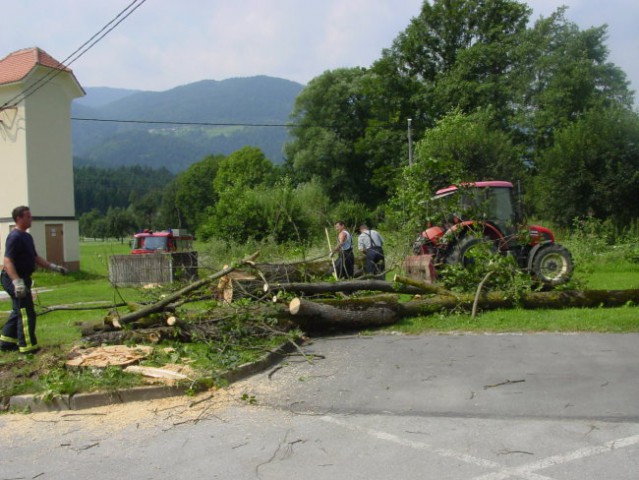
[[370, 243]]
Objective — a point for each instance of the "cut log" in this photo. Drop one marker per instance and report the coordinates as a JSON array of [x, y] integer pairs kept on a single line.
[[313, 316]]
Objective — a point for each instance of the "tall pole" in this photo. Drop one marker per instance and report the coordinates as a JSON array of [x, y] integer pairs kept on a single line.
[[410, 144]]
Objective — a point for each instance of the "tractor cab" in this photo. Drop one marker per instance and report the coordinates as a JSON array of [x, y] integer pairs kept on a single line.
[[489, 202]]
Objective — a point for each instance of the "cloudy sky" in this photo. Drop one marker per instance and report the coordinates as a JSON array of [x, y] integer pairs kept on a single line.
[[167, 43]]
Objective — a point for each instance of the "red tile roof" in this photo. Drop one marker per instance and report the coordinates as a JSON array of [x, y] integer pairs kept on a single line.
[[17, 65]]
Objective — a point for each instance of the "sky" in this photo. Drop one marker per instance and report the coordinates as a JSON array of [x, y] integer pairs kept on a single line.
[[168, 43]]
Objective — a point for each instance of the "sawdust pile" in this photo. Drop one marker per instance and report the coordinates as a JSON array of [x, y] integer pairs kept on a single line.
[[161, 414]]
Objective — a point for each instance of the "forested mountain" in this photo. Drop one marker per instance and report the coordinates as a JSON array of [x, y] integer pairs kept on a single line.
[[100, 96], [240, 108]]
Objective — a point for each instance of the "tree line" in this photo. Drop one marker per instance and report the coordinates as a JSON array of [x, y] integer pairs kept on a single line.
[[487, 95]]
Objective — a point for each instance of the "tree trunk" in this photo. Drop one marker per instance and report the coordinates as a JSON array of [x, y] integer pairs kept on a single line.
[[313, 316], [360, 313], [534, 300]]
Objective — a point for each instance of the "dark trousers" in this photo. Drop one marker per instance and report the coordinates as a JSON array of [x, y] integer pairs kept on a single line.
[[19, 331], [375, 260], [345, 264]]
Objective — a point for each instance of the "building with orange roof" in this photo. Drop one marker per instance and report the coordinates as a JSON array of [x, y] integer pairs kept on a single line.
[[36, 156]]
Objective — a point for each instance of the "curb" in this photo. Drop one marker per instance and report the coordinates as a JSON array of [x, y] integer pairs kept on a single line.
[[79, 401]]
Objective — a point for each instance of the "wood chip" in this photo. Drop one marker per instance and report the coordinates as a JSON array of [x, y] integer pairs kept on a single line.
[[110, 355]]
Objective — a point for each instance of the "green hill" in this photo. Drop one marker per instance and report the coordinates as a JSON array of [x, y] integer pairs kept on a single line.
[[178, 127]]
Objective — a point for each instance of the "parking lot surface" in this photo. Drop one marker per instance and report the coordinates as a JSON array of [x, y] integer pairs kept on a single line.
[[481, 407]]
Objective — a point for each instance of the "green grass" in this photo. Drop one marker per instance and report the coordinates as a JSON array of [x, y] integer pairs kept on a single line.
[[603, 320]]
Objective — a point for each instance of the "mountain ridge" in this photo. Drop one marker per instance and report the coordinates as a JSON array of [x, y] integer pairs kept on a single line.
[[177, 127]]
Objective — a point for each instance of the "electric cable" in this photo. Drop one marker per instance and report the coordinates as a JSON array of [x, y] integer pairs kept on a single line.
[[225, 124], [84, 48], [202, 124]]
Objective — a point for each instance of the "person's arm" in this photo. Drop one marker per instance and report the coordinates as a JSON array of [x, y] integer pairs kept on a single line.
[[51, 266], [19, 287], [42, 262], [360, 243], [341, 239], [10, 269]]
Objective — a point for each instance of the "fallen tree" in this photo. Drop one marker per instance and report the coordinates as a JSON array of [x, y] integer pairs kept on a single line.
[[334, 312], [353, 313]]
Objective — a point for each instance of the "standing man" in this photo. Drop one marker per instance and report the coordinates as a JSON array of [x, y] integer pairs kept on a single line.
[[345, 264], [370, 243], [20, 260]]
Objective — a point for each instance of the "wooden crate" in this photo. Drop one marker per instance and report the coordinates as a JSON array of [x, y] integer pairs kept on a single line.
[[153, 268]]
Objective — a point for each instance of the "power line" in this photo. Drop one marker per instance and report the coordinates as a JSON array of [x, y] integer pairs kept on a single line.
[[79, 52], [202, 124], [224, 124]]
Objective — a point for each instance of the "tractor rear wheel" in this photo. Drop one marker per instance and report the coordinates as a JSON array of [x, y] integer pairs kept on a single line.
[[461, 253], [552, 265]]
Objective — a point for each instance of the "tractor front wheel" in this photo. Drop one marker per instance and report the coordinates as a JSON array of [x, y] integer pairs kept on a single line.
[[552, 265]]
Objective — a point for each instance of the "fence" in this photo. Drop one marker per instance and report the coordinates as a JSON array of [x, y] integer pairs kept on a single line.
[[154, 268]]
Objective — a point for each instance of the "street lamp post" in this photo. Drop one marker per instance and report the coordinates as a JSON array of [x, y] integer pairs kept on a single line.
[[410, 144]]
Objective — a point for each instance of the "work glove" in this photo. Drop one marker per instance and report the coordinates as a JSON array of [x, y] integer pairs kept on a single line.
[[19, 288], [58, 268]]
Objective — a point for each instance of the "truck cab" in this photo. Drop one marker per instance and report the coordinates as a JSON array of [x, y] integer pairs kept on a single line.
[[164, 241]]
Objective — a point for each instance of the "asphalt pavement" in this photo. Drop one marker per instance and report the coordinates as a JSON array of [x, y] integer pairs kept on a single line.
[[440, 407]]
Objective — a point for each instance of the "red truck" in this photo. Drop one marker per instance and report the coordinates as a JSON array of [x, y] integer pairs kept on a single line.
[[163, 241]]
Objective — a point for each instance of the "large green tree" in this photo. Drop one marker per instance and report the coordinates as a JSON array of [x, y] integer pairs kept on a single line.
[[330, 116], [592, 169], [247, 167], [238, 212], [468, 147], [567, 73], [194, 193]]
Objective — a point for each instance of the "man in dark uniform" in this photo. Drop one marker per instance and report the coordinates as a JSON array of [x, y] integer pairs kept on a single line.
[[20, 260]]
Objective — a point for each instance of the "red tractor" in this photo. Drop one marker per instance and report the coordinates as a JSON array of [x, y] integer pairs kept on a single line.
[[484, 212]]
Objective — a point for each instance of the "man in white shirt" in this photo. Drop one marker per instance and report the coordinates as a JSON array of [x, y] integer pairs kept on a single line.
[[370, 243]]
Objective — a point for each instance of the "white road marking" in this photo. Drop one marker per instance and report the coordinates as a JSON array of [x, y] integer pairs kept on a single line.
[[526, 472], [389, 437], [562, 458]]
